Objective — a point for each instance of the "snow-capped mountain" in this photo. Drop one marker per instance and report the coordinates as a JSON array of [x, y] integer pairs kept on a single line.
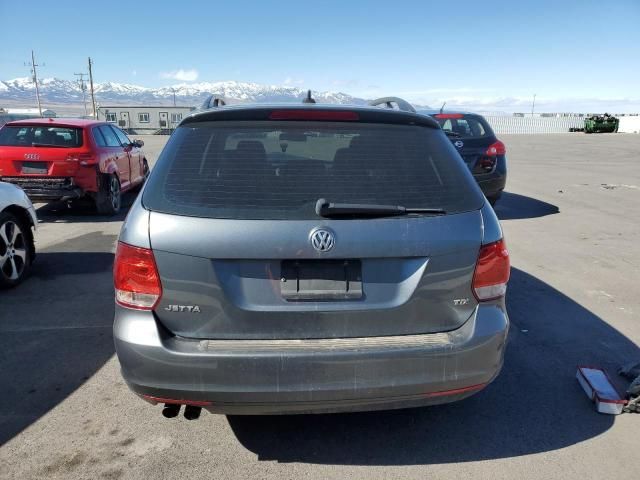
[[59, 91]]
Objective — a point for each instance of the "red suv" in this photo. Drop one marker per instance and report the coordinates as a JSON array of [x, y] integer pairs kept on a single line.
[[65, 159]]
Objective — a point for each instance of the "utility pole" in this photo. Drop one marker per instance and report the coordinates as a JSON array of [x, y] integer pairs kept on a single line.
[[533, 105], [83, 88], [93, 97], [174, 96], [34, 72]]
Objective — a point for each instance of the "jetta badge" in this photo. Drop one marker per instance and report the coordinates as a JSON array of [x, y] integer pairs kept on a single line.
[[459, 143], [322, 239], [183, 308]]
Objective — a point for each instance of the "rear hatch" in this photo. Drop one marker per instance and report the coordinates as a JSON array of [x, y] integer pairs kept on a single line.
[[40, 150], [472, 136], [243, 253]]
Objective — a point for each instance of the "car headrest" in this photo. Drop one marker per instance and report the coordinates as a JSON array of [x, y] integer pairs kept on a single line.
[[251, 147], [48, 137], [359, 142]]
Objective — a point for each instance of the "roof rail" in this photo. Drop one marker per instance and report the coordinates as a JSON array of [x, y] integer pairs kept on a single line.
[[213, 101], [389, 101]]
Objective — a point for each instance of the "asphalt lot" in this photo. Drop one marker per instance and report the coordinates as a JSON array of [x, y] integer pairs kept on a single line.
[[572, 227]]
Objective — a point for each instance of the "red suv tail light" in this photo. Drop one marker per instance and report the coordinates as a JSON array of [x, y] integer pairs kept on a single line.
[[492, 271], [496, 148], [83, 158], [136, 278]]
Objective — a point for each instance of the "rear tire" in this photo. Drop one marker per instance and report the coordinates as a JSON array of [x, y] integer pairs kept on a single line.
[[145, 170], [109, 196], [16, 250]]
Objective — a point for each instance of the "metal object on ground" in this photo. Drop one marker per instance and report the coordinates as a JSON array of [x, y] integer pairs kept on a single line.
[[596, 384], [601, 124]]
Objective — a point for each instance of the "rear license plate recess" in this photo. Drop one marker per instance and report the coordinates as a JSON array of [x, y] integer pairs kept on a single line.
[[321, 280], [39, 168]]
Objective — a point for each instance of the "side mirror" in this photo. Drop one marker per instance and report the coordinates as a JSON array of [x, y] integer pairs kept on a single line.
[[138, 143]]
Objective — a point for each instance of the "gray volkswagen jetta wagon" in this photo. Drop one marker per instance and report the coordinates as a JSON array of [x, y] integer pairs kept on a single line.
[[306, 259]]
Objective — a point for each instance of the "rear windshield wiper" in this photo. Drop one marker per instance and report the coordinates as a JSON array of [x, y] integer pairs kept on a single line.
[[450, 133], [326, 209], [34, 144]]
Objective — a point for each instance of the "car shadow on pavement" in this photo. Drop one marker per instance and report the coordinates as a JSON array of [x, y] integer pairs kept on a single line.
[[55, 329], [513, 206], [534, 406], [82, 210]]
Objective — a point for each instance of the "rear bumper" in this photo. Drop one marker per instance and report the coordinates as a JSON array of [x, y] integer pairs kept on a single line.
[[47, 188], [311, 376]]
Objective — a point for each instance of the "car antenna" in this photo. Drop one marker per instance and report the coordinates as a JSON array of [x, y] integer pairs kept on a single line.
[[309, 98], [442, 107]]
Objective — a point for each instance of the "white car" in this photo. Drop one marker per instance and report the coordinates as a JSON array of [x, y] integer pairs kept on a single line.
[[18, 223]]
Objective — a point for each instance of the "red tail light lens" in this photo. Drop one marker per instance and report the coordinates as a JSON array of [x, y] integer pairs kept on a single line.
[[497, 148], [327, 115], [449, 115], [83, 158], [488, 163], [135, 277], [492, 271]]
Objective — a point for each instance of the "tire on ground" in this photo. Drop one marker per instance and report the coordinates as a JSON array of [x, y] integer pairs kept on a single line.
[[109, 196], [16, 250]]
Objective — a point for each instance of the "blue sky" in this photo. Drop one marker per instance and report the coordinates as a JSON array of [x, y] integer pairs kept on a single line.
[[570, 53]]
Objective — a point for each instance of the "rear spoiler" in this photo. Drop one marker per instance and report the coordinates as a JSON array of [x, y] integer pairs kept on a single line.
[[388, 102]]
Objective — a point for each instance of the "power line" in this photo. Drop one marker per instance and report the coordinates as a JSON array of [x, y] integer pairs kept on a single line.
[[83, 88]]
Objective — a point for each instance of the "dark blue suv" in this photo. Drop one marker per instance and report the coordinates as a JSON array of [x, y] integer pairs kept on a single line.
[[479, 147]]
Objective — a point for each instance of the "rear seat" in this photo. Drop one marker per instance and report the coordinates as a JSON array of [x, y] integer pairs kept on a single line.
[[244, 168]]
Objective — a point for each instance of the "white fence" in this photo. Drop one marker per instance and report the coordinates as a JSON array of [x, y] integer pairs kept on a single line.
[[629, 124], [506, 124]]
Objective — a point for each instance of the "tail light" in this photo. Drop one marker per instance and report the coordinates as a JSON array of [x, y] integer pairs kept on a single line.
[[487, 164], [83, 158], [492, 271], [135, 277], [496, 148], [449, 115]]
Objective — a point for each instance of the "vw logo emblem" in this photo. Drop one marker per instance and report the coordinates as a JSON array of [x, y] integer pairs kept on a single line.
[[322, 239], [459, 144]]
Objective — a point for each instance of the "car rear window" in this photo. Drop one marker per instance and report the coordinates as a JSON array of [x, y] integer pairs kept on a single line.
[[466, 127], [278, 170], [40, 136]]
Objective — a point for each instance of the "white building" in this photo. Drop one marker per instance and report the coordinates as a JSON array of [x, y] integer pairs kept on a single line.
[[142, 119], [31, 112], [11, 114]]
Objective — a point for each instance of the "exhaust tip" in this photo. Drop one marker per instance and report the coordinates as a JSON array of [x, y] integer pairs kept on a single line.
[[171, 410], [191, 412]]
